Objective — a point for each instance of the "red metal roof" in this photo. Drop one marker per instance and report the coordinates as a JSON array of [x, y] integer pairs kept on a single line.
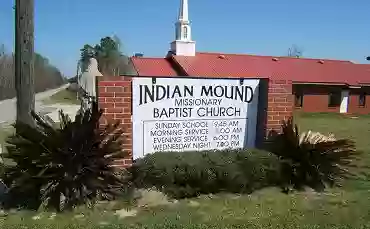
[[153, 66], [220, 65], [365, 66], [225, 65]]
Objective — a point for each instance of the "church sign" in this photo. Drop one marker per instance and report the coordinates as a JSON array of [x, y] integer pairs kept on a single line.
[[182, 114]]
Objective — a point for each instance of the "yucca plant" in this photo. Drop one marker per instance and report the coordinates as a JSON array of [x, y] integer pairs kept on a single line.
[[312, 159], [66, 166]]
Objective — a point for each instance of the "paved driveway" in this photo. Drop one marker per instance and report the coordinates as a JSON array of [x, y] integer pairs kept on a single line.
[[8, 107]]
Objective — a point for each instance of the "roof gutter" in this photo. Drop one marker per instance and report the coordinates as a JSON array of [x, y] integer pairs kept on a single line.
[[322, 83], [360, 85], [364, 84]]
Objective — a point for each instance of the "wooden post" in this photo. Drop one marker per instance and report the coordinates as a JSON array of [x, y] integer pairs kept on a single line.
[[24, 60], [77, 77]]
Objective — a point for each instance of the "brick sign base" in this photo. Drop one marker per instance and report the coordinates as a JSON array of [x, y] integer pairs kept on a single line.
[[115, 98]]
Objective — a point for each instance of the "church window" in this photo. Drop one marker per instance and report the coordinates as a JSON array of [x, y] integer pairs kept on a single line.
[[185, 32]]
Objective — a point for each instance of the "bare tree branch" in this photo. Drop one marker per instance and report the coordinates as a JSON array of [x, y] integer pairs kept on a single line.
[[295, 51]]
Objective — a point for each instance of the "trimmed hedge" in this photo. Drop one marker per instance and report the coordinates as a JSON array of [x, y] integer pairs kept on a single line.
[[189, 174]]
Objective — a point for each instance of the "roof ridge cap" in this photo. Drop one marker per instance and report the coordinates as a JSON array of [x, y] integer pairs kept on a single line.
[[270, 56]]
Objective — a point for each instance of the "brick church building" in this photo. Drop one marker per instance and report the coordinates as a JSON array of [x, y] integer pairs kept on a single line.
[[319, 85]]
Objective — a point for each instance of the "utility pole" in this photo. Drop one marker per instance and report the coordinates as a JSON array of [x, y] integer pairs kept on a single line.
[[24, 60]]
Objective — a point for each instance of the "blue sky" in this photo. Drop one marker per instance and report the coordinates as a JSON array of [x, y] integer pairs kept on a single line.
[[337, 29]]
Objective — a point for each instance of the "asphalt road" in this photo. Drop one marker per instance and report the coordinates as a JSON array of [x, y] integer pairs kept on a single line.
[[8, 107]]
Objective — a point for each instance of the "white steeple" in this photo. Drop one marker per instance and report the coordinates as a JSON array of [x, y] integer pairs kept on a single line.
[[183, 44], [184, 14]]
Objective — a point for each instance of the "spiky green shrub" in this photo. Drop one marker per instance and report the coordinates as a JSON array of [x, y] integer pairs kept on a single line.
[[189, 174], [312, 159], [66, 166]]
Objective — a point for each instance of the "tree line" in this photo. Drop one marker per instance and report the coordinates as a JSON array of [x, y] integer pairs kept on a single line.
[[109, 56], [47, 76]]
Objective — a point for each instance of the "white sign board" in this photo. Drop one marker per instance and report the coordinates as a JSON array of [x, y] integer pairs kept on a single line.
[[180, 114]]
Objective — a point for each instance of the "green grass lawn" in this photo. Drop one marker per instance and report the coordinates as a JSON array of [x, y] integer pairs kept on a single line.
[[346, 207], [64, 97], [356, 128]]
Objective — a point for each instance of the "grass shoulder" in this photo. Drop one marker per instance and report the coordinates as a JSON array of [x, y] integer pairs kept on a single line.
[[64, 96]]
